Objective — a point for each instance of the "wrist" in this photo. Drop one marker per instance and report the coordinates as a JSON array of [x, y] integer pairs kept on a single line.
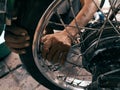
[[72, 33]]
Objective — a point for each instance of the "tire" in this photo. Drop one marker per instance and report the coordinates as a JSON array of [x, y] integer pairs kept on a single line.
[[30, 24], [30, 63], [34, 62], [43, 23]]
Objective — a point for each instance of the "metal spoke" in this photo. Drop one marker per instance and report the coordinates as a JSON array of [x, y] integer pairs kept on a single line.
[[77, 26], [62, 22], [107, 20], [108, 14], [71, 8], [66, 25]]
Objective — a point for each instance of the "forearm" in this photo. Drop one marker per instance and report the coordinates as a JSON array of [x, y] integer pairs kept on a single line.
[[83, 17]]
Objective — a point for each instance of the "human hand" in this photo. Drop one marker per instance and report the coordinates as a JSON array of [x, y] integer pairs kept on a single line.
[[56, 47], [17, 39]]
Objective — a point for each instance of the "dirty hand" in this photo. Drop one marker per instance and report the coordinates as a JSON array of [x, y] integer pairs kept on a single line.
[[55, 47], [17, 39]]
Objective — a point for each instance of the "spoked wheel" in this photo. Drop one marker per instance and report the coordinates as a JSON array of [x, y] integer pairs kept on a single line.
[[93, 41]]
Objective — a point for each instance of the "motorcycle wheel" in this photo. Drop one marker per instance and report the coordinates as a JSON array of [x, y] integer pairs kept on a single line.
[[55, 76]]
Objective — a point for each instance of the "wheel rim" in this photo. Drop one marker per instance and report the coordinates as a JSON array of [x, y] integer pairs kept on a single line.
[[72, 75]]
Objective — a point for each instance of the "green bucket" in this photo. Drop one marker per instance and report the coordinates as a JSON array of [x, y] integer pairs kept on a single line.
[[4, 50]]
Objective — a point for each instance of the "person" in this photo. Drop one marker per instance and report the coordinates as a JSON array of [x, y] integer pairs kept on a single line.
[[19, 34], [21, 22], [22, 19]]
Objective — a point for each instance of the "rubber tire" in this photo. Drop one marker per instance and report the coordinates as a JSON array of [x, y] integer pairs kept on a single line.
[[29, 63], [30, 23]]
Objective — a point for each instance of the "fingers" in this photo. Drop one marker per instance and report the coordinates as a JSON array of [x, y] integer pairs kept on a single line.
[[45, 38], [56, 54], [17, 39], [52, 53], [17, 31], [9, 37], [56, 57], [63, 57], [18, 45], [46, 47], [60, 57], [16, 35], [55, 47]]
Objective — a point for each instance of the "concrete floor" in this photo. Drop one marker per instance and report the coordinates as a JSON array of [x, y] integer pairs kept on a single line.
[[13, 75]]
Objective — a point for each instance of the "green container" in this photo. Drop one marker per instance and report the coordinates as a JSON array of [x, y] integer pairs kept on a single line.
[[4, 51]]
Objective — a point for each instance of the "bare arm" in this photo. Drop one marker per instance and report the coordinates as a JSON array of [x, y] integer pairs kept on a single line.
[[83, 17], [56, 46]]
